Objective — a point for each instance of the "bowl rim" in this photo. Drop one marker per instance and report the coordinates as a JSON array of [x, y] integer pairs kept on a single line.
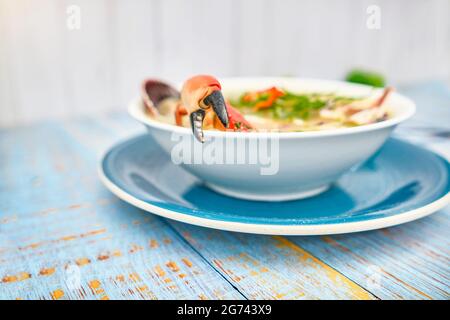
[[137, 110]]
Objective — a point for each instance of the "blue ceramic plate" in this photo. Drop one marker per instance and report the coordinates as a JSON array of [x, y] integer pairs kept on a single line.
[[401, 183]]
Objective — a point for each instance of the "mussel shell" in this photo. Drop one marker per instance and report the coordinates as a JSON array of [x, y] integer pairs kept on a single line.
[[154, 91]]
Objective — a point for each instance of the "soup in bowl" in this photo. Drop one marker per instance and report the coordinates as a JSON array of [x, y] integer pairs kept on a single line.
[[269, 139]]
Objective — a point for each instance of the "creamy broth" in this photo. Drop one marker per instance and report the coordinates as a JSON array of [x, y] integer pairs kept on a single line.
[[277, 109]]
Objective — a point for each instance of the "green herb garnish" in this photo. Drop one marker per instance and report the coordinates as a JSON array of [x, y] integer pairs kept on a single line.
[[365, 77]]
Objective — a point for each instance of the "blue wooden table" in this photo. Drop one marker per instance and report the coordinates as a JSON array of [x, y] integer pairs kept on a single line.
[[64, 236]]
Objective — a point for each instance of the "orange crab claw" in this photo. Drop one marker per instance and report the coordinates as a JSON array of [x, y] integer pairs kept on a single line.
[[180, 111], [199, 95]]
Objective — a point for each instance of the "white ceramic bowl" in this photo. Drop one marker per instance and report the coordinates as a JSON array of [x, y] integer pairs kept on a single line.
[[307, 162]]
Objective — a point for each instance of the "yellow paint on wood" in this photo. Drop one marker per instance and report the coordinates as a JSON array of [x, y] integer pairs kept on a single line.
[[134, 277], [93, 233], [153, 244], [94, 284], [142, 288], [46, 271], [68, 238], [120, 278], [159, 271], [103, 256], [82, 261], [116, 253], [172, 266], [57, 294], [336, 277], [15, 278], [187, 262]]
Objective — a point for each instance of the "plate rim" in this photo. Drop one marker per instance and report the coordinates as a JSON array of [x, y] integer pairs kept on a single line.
[[270, 229]]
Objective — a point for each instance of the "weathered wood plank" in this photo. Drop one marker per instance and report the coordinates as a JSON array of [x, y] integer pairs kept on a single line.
[[59, 227], [410, 261], [260, 267], [118, 248], [371, 259], [264, 267]]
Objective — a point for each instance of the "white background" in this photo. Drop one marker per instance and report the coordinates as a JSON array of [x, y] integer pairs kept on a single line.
[[47, 70]]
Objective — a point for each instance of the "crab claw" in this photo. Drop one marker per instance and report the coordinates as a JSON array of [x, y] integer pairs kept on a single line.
[[199, 95], [197, 124]]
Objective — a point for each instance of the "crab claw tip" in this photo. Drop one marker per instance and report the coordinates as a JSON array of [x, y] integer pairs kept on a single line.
[[217, 102], [197, 123]]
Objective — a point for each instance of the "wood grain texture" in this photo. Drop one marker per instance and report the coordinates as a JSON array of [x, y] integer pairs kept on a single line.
[[286, 271], [264, 267], [405, 262], [56, 217], [410, 261], [57, 221]]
